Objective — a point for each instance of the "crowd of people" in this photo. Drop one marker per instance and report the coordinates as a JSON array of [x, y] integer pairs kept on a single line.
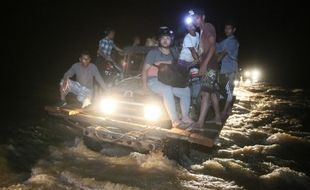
[[200, 49]]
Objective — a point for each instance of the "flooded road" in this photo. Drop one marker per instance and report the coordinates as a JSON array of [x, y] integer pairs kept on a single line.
[[264, 145]]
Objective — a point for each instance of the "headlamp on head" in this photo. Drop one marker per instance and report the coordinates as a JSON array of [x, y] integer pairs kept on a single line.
[[165, 31], [189, 18]]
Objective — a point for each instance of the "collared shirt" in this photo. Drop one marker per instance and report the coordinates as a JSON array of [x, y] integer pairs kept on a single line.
[[230, 61], [105, 46]]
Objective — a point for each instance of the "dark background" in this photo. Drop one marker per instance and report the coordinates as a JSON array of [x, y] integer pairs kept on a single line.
[[43, 38]]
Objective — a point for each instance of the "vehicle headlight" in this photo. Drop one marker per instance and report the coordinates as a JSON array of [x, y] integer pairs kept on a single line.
[[152, 112], [108, 105], [255, 75], [247, 73]]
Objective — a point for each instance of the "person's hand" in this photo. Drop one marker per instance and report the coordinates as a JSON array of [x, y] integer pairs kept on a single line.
[[121, 53], [197, 60], [202, 70], [64, 86]]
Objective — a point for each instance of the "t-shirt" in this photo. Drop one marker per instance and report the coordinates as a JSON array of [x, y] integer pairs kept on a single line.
[[85, 75], [207, 30], [155, 57], [189, 42]]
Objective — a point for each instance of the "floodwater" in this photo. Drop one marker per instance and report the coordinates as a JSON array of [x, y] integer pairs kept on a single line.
[[264, 145]]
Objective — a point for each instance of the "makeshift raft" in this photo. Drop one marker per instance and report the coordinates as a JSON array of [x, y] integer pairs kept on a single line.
[[141, 137]]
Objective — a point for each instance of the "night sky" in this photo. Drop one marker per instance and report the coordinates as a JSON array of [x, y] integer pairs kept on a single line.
[[44, 38]]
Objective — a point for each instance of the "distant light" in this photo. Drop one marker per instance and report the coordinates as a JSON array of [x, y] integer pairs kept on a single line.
[[255, 75], [247, 73]]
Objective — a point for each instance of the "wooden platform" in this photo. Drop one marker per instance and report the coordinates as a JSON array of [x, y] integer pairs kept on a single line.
[[129, 133]]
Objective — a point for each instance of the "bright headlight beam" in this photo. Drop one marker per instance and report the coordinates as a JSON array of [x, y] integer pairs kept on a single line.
[[108, 105], [247, 73], [255, 75], [152, 112]]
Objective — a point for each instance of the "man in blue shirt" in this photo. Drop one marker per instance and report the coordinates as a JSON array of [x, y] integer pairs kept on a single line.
[[228, 55]]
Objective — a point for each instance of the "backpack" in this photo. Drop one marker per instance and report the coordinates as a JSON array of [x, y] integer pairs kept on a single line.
[[173, 74]]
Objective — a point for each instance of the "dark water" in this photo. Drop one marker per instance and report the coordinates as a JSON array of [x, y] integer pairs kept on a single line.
[[264, 145]]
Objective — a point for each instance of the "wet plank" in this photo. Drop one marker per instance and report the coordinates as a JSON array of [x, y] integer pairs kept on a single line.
[[205, 138]]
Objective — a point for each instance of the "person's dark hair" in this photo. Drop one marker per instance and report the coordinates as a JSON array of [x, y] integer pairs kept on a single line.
[[165, 31], [85, 53], [231, 23], [197, 12], [107, 31]]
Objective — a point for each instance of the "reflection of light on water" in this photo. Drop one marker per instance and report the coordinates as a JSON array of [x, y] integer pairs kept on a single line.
[[236, 82], [259, 134]]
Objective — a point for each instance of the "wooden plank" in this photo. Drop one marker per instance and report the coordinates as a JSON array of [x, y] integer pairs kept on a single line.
[[151, 131]]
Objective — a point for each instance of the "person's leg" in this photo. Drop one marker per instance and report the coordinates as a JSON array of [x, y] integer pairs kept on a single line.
[[83, 94], [205, 104], [216, 107], [185, 100], [63, 93], [229, 90], [166, 93]]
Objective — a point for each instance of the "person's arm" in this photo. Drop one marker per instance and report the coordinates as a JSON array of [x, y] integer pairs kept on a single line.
[[231, 48], [220, 51], [98, 77], [145, 69], [221, 55], [187, 43], [117, 48], [148, 62], [210, 53], [67, 75], [194, 53]]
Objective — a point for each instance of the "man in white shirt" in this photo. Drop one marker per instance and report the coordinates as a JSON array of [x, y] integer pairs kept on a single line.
[[189, 55]]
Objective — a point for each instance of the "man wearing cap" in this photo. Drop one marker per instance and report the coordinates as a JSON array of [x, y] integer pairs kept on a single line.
[[164, 54], [208, 68]]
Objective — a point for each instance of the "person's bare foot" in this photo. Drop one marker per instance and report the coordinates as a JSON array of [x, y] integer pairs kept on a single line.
[[187, 120], [179, 124], [218, 121], [195, 126], [224, 115]]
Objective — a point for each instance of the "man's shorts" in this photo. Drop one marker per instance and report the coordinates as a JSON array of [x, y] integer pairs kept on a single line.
[[76, 88], [229, 87], [209, 82]]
